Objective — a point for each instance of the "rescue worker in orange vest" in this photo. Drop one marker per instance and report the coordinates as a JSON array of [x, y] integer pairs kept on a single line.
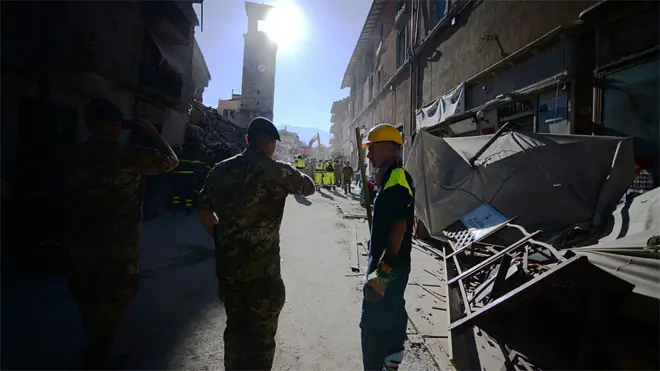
[[384, 320]]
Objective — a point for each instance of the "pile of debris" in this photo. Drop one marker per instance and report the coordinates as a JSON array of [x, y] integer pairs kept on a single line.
[[550, 262], [219, 134]]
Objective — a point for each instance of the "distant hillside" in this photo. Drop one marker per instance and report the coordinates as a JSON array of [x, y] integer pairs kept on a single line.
[[306, 134]]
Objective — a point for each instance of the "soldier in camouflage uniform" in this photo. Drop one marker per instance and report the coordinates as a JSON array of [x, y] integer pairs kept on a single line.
[[105, 185], [241, 206]]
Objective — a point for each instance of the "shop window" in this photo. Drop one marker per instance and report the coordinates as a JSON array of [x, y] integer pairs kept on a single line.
[[630, 108], [523, 124], [553, 112], [519, 115]]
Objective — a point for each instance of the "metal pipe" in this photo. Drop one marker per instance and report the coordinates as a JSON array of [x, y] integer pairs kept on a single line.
[[363, 173], [490, 142], [411, 52]]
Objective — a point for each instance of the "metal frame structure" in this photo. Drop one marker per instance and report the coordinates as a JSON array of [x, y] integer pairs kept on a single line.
[[492, 276]]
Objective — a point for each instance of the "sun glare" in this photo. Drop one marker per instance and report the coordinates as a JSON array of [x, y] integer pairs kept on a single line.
[[284, 25]]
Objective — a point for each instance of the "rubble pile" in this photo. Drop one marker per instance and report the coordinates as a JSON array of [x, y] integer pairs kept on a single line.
[[219, 133]]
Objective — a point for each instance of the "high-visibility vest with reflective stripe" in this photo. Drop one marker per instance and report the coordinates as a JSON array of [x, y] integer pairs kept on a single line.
[[187, 167], [319, 166], [191, 161], [299, 163], [398, 177], [186, 172]]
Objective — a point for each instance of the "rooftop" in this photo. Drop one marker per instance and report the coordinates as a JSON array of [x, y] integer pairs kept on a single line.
[[363, 41]]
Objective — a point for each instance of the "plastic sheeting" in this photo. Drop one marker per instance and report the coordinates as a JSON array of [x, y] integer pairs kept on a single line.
[[447, 105], [550, 182], [627, 250]]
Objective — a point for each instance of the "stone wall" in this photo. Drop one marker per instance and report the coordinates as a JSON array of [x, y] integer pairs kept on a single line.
[[459, 52], [468, 47]]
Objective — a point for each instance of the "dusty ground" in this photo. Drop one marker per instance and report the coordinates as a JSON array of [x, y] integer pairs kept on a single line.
[[176, 322]]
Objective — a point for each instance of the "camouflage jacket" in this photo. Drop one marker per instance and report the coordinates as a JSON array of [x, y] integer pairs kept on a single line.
[[105, 185], [248, 192]]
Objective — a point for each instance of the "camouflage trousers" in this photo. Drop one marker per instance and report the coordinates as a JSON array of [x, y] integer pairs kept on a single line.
[[346, 185], [102, 292], [253, 310]]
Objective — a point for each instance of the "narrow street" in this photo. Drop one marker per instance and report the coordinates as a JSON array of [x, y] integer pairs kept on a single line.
[[176, 321]]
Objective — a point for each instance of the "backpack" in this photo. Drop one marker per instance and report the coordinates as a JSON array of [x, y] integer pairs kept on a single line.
[[330, 167]]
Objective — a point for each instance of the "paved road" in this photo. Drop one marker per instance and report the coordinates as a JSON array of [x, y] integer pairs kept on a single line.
[[176, 322]]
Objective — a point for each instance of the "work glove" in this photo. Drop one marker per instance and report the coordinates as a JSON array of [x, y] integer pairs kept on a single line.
[[376, 285]]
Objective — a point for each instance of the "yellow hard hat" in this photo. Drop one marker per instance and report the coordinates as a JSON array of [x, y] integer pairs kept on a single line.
[[383, 133]]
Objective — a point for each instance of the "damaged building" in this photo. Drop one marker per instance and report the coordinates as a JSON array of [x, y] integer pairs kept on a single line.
[[342, 140], [57, 56], [504, 105], [474, 65]]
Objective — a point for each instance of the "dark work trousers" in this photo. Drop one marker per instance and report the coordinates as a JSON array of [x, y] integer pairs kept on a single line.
[[184, 191], [253, 310], [384, 323], [347, 185], [102, 292]]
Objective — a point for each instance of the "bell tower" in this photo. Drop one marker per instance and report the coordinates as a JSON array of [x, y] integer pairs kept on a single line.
[[259, 54]]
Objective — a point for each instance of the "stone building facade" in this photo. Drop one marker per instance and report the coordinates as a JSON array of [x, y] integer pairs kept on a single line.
[[340, 139], [56, 57], [449, 43]]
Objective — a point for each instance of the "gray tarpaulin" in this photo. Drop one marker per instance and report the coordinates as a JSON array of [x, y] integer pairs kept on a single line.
[[625, 251], [550, 182]]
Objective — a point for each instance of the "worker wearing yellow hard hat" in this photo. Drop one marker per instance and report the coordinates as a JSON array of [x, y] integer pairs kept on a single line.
[[383, 133], [384, 320]]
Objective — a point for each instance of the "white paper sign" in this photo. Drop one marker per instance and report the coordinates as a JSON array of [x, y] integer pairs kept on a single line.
[[482, 220]]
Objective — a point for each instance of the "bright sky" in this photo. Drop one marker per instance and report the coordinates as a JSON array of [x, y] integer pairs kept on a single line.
[[309, 69]]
